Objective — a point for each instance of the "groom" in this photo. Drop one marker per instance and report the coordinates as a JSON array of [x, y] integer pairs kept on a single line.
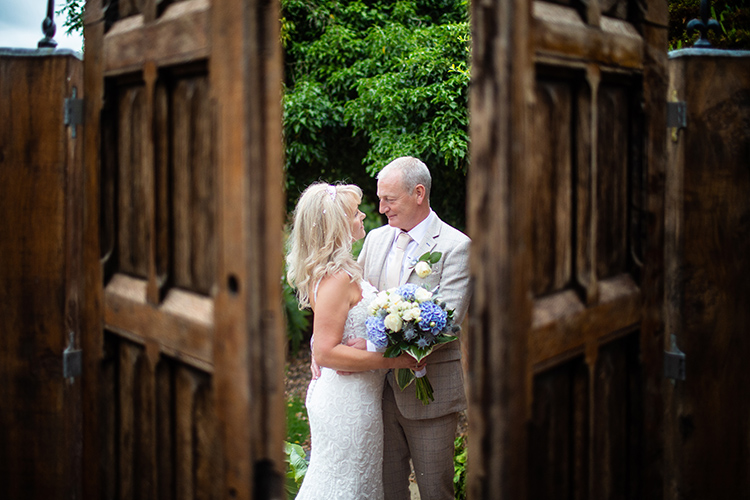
[[412, 430]]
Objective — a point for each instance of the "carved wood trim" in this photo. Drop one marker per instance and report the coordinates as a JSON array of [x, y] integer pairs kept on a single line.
[[182, 326], [562, 324], [180, 35], [560, 35]]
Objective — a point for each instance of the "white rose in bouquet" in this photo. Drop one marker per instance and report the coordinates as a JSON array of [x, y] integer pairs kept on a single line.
[[393, 322], [422, 295]]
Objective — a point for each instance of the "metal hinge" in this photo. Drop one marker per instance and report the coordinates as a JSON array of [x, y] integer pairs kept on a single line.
[[73, 112], [674, 361], [72, 360], [677, 114]]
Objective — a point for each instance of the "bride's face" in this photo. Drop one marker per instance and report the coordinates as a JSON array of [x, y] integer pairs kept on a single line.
[[356, 218]]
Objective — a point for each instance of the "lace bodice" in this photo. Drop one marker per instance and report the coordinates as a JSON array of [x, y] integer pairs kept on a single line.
[[354, 327]]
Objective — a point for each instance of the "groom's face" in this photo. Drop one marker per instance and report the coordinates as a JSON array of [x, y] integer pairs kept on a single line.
[[400, 206]]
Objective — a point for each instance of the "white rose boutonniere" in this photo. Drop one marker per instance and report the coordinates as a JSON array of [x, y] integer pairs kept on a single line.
[[422, 269], [425, 262]]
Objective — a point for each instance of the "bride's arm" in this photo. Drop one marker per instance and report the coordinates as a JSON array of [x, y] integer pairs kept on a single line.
[[336, 295]]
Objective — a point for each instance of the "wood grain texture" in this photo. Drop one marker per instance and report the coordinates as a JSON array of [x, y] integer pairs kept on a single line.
[[40, 176], [552, 226], [187, 171], [708, 294], [565, 311]]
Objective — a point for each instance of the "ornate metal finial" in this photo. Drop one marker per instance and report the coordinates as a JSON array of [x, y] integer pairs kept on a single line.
[[703, 25], [48, 27]]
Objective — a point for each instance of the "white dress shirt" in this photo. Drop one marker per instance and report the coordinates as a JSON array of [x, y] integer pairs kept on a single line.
[[417, 234]]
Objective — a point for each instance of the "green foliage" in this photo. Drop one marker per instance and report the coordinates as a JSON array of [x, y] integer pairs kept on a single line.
[[296, 468], [297, 432], [460, 454], [297, 425], [733, 17], [73, 12], [368, 81], [297, 320]]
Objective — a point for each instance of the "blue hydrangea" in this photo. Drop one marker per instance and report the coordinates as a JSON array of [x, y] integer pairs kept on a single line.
[[407, 291], [433, 318], [376, 331]]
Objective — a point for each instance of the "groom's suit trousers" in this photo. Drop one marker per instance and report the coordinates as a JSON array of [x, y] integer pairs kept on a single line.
[[429, 443]]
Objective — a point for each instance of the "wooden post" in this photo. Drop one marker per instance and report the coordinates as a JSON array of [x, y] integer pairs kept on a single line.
[[40, 258], [707, 286]]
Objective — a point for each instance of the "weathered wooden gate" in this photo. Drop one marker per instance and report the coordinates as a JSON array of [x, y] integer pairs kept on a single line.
[[566, 214], [40, 219], [182, 327]]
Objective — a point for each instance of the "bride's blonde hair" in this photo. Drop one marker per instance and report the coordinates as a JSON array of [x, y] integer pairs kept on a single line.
[[320, 243]]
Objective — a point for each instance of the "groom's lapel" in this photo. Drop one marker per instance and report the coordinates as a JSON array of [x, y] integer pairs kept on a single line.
[[426, 245], [380, 254]]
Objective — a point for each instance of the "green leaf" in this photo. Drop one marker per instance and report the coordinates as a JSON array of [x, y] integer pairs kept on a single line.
[[393, 351], [435, 257], [418, 353], [404, 377], [444, 339], [424, 390]]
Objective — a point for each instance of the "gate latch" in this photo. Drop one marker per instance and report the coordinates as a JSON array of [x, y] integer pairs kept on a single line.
[[72, 360], [674, 361]]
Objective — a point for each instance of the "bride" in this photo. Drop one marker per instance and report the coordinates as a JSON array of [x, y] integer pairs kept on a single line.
[[344, 410]]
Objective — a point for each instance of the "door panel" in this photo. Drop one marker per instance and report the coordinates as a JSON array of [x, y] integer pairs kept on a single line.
[[184, 174], [566, 199]]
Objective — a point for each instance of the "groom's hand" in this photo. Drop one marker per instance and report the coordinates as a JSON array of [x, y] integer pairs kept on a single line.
[[314, 368], [357, 344]]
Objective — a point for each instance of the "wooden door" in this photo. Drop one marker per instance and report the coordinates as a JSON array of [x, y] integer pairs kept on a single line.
[[566, 203], [183, 334]]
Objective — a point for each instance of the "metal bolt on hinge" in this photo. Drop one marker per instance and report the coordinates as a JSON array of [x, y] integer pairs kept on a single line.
[[674, 361], [73, 112], [72, 360]]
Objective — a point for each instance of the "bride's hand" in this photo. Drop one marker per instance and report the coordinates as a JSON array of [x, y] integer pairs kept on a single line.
[[406, 361]]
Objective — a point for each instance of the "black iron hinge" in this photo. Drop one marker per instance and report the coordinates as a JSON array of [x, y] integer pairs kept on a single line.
[[676, 114], [73, 112], [674, 361], [72, 359]]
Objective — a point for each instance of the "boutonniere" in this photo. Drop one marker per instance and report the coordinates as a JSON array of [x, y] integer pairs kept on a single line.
[[423, 267]]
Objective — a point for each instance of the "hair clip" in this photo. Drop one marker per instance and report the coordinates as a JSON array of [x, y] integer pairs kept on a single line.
[[332, 192]]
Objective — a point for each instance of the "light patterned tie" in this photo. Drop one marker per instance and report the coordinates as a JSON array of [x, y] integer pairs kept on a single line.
[[394, 267]]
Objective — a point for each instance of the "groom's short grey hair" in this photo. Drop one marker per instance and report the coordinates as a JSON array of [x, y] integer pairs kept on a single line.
[[413, 172]]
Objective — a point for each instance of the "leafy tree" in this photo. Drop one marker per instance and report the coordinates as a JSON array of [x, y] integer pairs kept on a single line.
[[368, 81], [73, 12]]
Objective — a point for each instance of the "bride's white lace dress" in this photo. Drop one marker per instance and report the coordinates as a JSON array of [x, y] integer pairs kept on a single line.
[[346, 426]]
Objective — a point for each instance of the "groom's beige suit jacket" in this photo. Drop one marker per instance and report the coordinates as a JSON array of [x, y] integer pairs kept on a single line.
[[450, 276]]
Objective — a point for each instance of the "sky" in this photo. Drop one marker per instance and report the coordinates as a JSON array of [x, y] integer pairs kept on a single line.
[[21, 25]]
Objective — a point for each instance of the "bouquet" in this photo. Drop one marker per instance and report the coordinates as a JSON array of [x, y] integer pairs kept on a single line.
[[414, 320]]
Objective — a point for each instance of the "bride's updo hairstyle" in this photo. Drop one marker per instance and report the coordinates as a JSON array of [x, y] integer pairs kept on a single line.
[[320, 243]]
